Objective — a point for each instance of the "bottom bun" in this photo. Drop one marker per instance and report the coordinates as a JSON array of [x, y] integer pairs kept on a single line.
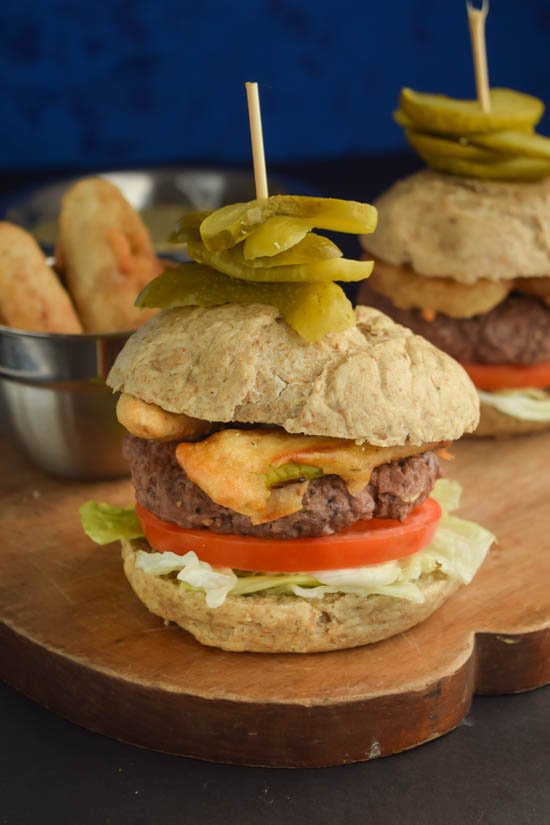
[[284, 624], [493, 422]]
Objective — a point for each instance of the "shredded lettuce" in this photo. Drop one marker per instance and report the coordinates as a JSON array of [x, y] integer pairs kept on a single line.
[[525, 404], [103, 523], [457, 551]]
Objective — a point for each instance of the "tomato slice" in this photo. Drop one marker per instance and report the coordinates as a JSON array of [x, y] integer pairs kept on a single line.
[[365, 542], [509, 376]]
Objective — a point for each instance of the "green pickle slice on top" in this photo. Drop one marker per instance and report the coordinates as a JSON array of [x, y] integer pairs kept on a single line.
[[232, 262], [312, 309], [439, 113], [231, 224]]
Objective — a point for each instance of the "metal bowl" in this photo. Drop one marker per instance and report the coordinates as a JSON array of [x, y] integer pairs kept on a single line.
[[159, 195], [56, 404], [52, 387]]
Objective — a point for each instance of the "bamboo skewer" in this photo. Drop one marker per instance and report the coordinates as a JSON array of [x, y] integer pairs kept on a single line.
[[257, 140], [476, 21]]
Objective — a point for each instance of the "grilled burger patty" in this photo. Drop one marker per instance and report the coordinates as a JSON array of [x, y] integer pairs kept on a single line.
[[163, 488], [514, 332]]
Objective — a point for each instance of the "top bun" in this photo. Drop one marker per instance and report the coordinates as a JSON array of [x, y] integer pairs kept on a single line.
[[376, 382], [464, 228]]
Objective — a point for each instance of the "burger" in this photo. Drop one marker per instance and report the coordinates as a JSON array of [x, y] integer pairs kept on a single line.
[[288, 491], [462, 253]]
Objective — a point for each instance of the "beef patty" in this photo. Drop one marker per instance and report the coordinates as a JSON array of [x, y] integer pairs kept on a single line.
[[514, 332], [163, 488]]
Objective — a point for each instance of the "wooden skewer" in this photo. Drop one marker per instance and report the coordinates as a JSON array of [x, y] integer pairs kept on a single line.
[[476, 20], [257, 140]]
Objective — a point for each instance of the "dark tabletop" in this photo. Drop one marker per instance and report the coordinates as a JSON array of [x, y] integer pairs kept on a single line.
[[493, 770]]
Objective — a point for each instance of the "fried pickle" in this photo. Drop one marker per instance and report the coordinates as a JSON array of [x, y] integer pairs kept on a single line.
[[106, 255], [31, 295], [153, 423], [408, 290]]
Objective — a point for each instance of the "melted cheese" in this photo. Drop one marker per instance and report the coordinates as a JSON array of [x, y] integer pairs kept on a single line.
[[230, 467]]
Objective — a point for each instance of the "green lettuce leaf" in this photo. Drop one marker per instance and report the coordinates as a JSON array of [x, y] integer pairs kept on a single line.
[[103, 523], [526, 404], [447, 493]]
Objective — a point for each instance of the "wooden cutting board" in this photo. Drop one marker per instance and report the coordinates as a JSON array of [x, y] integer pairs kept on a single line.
[[75, 639]]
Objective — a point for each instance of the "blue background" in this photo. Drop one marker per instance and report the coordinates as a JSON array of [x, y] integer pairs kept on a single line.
[[130, 83]]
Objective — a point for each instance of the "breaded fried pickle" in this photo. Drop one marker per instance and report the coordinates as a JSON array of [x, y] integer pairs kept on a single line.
[[31, 295], [106, 254]]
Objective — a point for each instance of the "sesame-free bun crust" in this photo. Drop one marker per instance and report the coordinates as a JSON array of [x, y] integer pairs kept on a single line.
[[284, 624], [493, 422], [376, 382], [464, 228]]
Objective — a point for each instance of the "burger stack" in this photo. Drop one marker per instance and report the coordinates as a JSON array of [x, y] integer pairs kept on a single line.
[[463, 249], [284, 447]]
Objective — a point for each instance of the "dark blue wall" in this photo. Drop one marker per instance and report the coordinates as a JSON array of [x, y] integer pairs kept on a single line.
[[107, 83]]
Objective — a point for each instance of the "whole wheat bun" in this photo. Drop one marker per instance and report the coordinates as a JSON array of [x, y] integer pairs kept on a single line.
[[493, 422], [375, 382], [284, 624], [464, 228]]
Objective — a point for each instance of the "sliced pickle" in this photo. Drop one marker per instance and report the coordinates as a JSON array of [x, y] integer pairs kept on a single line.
[[290, 473], [441, 147], [232, 262], [313, 310], [439, 113], [311, 249], [510, 169], [228, 226], [275, 236], [188, 226], [525, 144]]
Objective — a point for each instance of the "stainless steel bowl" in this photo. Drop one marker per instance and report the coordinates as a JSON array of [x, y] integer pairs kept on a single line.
[[55, 402], [160, 195]]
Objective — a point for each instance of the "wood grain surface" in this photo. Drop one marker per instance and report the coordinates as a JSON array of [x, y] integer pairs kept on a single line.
[[75, 639]]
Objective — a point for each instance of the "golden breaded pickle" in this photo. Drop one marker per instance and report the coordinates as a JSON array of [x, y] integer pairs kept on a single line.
[[31, 295], [106, 254], [152, 422]]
